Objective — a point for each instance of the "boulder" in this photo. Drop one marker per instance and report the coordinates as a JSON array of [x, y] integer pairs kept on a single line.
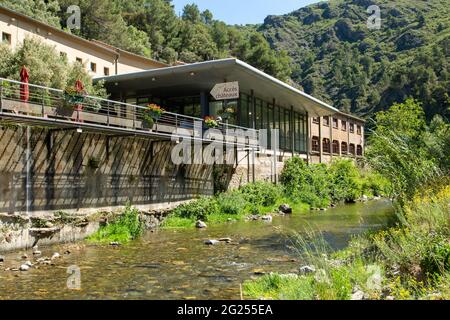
[[267, 218], [358, 295], [56, 255], [307, 269], [2, 258], [24, 267], [114, 244], [285, 208], [227, 240], [212, 242], [200, 225]]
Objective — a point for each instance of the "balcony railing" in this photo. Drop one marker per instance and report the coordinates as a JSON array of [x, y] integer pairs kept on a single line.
[[49, 106]]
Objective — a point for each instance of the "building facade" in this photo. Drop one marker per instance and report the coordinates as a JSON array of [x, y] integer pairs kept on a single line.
[[338, 135], [99, 59]]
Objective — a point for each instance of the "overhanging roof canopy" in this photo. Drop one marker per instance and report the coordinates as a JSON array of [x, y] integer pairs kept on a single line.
[[202, 76]]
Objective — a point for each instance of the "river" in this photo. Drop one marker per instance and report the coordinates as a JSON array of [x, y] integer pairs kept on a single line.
[[176, 264]]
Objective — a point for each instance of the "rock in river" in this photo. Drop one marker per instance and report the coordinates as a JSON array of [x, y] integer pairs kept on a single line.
[[267, 218], [212, 242], [2, 258], [307, 269], [24, 267], [200, 225], [56, 255], [285, 208]]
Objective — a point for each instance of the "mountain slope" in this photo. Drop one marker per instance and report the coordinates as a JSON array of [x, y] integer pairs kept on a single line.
[[337, 58]]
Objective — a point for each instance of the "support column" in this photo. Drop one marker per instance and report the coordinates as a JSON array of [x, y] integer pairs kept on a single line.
[[204, 104], [308, 139], [292, 123], [320, 140]]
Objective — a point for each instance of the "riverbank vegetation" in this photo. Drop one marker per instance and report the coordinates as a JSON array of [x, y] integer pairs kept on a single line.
[[125, 227], [303, 187], [408, 261]]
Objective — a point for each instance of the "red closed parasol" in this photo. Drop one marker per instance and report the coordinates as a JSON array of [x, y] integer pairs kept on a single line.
[[24, 90], [79, 86]]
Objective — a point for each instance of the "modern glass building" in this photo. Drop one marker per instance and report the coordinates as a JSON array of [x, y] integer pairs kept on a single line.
[[264, 102]]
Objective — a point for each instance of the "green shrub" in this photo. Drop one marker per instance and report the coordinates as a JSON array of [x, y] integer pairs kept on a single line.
[[261, 193], [308, 183], [346, 181], [124, 228], [374, 184], [231, 202], [198, 209]]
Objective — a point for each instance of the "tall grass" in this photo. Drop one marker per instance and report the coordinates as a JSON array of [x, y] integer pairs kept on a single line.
[[126, 227]]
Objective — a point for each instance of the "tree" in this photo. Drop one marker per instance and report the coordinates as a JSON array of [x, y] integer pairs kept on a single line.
[[191, 13], [46, 67], [45, 11]]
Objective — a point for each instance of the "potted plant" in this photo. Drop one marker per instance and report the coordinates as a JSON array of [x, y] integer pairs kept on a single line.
[[228, 113], [152, 113], [73, 96], [211, 122]]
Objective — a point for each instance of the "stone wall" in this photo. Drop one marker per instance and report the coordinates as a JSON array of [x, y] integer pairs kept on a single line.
[[73, 171]]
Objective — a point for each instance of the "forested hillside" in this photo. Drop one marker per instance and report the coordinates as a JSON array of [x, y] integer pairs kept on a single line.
[[339, 59], [326, 48]]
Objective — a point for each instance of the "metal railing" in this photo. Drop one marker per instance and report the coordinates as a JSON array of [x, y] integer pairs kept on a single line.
[[52, 106]]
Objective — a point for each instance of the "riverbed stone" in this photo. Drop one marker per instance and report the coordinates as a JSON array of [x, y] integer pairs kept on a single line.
[[56, 255], [307, 269], [227, 240], [200, 225], [358, 295], [285, 208], [2, 258], [114, 243], [267, 218], [212, 242], [24, 267]]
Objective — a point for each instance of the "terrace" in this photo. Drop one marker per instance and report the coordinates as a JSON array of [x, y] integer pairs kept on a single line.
[[49, 107]]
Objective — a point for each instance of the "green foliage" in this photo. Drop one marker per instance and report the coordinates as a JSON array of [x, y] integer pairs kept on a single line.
[[197, 209], [338, 59], [407, 152], [126, 227], [346, 181], [319, 185], [231, 202], [46, 67], [261, 193]]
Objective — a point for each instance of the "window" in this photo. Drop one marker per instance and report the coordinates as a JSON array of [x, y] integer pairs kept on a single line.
[[335, 147], [344, 148], [358, 130], [93, 67], [326, 145], [326, 121], [315, 144], [352, 128], [316, 119], [79, 60], [359, 150], [352, 149], [106, 71], [335, 123], [6, 38], [344, 125]]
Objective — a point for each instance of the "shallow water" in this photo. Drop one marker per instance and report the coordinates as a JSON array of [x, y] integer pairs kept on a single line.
[[176, 264]]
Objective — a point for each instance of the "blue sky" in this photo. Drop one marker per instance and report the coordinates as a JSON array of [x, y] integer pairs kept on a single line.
[[244, 11]]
